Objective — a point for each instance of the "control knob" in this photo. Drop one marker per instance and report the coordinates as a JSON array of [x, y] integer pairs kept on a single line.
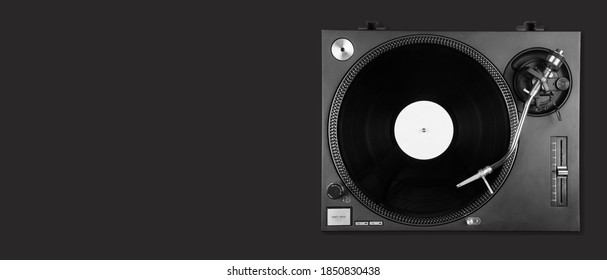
[[335, 191]]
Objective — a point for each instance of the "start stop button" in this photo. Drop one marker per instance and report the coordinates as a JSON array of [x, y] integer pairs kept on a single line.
[[339, 216]]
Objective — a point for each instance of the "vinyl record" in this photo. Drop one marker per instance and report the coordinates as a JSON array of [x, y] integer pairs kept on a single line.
[[413, 118]]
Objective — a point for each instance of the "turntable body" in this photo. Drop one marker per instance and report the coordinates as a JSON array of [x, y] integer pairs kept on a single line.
[[526, 198]]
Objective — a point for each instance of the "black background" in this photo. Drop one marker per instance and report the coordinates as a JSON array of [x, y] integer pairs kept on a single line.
[[177, 131]]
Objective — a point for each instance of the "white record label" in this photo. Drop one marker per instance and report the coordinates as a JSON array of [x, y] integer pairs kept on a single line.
[[423, 130]]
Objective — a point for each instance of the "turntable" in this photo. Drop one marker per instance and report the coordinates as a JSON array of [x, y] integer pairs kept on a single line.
[[450, 131]]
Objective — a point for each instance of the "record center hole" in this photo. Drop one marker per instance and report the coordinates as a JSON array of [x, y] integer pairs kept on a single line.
[[343, 49]]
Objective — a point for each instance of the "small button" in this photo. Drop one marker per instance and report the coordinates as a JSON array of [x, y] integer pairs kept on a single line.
[[376, 223], [473, 221], [338, 216], [361, 223]]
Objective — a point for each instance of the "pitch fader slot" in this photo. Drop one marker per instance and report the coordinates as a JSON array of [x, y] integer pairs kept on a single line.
[[559, 171]]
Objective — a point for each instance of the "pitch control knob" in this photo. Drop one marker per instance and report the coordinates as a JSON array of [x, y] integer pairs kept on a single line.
[[335, 191]]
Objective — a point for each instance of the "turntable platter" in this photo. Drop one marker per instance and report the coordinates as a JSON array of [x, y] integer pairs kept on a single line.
[[388, 167]]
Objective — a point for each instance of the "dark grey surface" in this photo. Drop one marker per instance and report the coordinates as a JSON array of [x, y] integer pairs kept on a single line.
[[175, 131], [523, 203]]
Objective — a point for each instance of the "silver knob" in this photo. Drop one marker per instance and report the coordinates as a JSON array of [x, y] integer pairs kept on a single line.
[[342, 49]]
